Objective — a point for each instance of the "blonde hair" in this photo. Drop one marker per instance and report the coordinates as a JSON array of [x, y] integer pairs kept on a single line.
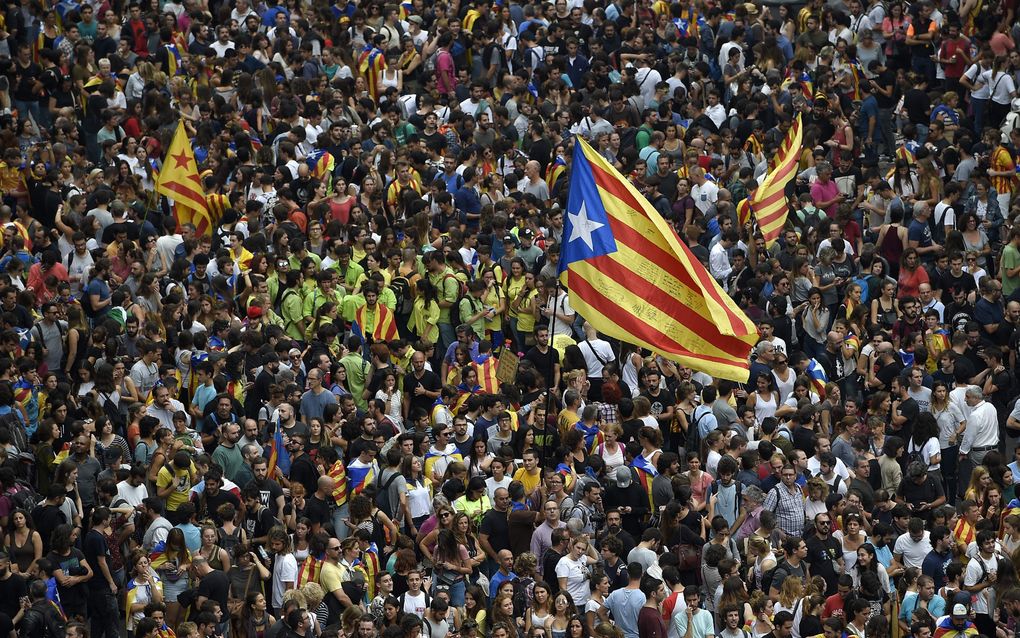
[[818, 483], [297, 596], [791, 591], [313, 594]]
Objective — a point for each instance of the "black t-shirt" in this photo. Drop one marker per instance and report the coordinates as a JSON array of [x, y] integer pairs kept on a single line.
[[926, 492], [908, 408], [888, 372], [887, 79], [430, 381], [269, 490], [95, 546], [317, 510], [215, 586], [304, 472], [46, 519], [496, 526], [549, 561], [12, 589], [212, 503], [73, 596], [660, 403], [257, 525], [26, 77], [951, 282], [544, 363]]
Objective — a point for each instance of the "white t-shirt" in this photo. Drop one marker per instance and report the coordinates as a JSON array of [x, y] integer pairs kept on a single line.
[[913, 552], [577, 575], [1000, 87], [985, 599], [415, 604], [284, 571]]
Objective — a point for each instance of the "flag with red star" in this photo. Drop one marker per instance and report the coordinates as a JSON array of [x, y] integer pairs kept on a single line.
[[179, 181]]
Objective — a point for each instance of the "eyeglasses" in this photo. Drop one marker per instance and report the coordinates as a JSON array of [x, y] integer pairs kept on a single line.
[[445, 515]]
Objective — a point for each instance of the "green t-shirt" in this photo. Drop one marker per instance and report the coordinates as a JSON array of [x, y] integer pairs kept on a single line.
[[449, 290], [1010, 260], [357, 371]]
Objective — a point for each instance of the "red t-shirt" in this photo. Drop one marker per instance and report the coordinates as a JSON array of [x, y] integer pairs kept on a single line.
[[951, 48], [833, 607]]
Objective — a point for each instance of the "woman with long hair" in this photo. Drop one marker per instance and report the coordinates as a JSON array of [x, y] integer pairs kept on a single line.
[[734, 593], [450, 566], [217, 557], [867, 561], [980, 483], [419, 493], [885, 308], [764, 399], [924, 441], [759, 549], [912, 274], [254, 619], [172, 567], [444, 518], [144, 586], [762, 608], [563, 610], [541, 608], [23, 542]]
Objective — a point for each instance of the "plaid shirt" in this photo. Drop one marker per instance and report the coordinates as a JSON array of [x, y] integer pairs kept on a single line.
[[789, 508]]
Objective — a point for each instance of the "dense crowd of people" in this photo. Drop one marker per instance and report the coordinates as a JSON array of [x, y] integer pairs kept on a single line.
[[352, 398]]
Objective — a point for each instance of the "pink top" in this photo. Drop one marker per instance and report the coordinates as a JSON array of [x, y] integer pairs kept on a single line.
[[824, 192], [446, 73]]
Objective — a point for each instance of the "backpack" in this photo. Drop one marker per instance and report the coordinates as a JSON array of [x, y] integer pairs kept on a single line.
[[714, 489], [693, 443], [430, 62], [769, 576], [22, 497], [112, 411], [462, 291], [522, 594], [383, 492], [628, 137], [938, 227]]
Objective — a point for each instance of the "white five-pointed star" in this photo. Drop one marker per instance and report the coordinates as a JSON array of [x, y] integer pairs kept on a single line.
[[581, 227]]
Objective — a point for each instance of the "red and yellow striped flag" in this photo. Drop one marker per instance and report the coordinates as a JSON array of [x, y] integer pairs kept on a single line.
[[744, 210], [632, 278], [179, 180], [768, 202]]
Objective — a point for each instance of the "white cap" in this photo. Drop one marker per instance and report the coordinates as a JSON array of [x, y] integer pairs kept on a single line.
[[959, 610]]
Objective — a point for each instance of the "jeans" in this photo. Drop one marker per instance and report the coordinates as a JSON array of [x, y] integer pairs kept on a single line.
[[456, 592], [885, 120], [339, 514], [979, 108], [948, 465], [447, 335], [32, 108], [104, 613]]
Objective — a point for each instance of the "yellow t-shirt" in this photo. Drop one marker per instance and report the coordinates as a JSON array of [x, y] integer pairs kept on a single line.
[[530, 481], [180, 495], [331, 577]]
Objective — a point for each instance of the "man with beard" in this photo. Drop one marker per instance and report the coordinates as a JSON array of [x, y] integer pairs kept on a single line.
[[13, 587], [270, 492]]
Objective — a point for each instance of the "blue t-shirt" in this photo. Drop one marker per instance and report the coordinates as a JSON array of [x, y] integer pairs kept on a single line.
[[625, 605], [920, 232], [98, 287], [869, 109]]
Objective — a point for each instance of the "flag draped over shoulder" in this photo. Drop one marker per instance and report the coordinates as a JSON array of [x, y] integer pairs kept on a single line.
[[769, 201], [179, 181], [278, 456], [633, 279], [370, 64], [321, 164], [377, 323]]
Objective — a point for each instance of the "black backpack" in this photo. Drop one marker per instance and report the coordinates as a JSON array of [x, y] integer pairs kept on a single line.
[[769, 576], [382, 495], [693, 442]]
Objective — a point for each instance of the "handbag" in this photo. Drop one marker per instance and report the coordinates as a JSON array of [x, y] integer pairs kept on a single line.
[[236, 605]]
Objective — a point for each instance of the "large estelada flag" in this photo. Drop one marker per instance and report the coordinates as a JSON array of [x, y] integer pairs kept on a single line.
[[632, 278], [179, 180], [768, 202]]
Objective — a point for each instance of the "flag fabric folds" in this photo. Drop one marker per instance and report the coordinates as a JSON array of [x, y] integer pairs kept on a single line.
[[377, 323], [179, 181], [278, 455], [632, 278], [769, 201], [371, 63], [816, 373], [322, 164], [359, 475]]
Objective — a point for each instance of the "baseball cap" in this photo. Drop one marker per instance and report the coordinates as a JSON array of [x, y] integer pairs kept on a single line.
[[527, 233], [959, 610], [415, 19], [509, 239]]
